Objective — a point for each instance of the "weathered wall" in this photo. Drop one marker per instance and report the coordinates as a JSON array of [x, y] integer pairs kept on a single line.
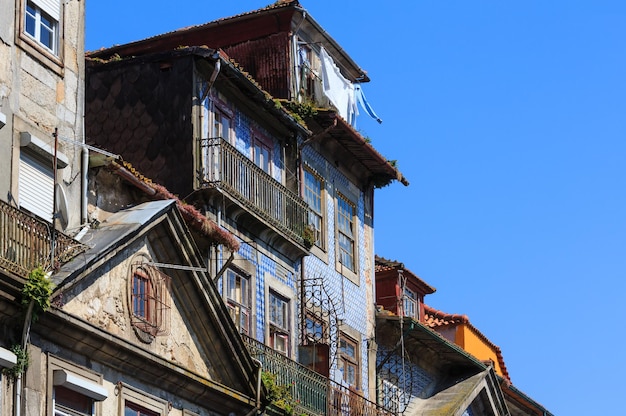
[[103, 299], [40, 92]]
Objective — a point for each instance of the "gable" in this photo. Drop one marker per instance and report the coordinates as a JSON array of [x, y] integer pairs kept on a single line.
[[194, 334]]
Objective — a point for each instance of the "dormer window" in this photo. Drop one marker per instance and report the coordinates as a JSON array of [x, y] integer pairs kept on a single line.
[[410, 304]]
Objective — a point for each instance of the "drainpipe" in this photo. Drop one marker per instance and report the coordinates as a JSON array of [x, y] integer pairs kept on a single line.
[[17, 396], [84, 185], [216, 71], [258, 388]]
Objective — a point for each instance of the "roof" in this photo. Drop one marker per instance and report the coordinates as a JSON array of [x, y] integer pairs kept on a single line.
[[176, 38], [434, 319], [457, 398], [194, 218], [383, 265], [336, 128]]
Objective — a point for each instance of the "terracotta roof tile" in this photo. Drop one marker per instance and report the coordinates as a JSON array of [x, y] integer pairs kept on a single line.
[[434, 319]]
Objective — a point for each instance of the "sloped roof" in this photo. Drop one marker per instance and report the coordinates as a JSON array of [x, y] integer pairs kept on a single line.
[[192, 216], [232, 370], [435, 319], [176, 38], [454, 400], [383, 265]]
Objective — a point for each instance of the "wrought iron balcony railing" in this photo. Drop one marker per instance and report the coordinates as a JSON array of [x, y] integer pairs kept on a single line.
[[230, 170], [25, 242], [311, 393]]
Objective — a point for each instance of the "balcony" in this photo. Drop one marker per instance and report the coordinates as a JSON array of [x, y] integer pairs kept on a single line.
[[266, 200], [25, 242], [311, 393]]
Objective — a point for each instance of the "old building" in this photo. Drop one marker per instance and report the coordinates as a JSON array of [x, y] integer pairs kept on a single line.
[[99, 296], [314, 299], [430, 362]]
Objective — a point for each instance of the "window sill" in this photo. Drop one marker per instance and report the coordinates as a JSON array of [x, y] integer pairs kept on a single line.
[[41, 54]]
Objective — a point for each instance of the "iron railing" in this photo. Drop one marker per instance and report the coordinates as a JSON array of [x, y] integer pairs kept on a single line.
[[312, 393], [26, 241], [228, 169]]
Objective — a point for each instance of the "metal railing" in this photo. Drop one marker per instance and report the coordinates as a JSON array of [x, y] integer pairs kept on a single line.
[[227, 168], [25, 242], [312, 393]]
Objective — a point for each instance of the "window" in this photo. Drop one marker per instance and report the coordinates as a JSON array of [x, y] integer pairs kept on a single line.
[[132, 409], [390, 396], [313, 186], [346, 232], [237, 289], [139, 403], [314, 329], [221, 124], [36, 186], [150, 301], [74, 392], [71, 403], [262, 155], [409, 304], [41, 23], [348, 360], [279, 323]]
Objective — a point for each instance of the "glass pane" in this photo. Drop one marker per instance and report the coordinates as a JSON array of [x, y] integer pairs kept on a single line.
[[46, 37], [30, 24]]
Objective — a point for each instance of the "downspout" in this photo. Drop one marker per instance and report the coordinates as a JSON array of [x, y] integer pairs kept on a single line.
[[17, 400], [258, 387], [84, 186]]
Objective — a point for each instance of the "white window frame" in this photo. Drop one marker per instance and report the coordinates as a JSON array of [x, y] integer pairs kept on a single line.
[[346, 360], [81, 381], [316, 202], [38, 12], [238, 300], [410, 303], [350, 234], [279, 332]]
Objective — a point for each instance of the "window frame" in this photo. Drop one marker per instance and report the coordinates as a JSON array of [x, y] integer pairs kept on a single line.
[[351, 219], [314, 195], [140, 399], [261, 141], [153, 317], [52, 58], [245, 308], [57, 364], [347, 361], [410, 297], [279, 332], [41, 20]]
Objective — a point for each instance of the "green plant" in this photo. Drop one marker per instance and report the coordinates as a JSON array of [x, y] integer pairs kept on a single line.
[[22, 362], [308, 235], [37, 289], [278, 395]]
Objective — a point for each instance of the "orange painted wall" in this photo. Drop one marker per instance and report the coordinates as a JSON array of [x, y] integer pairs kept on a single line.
[[467, 339]]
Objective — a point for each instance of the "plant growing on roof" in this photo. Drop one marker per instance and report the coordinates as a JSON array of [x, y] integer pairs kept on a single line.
[[22, 362]]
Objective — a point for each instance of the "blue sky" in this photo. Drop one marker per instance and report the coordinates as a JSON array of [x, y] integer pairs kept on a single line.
[[508, 118]]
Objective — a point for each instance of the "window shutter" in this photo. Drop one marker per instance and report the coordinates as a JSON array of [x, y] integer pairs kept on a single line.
[[36, 187], [51, 7]]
